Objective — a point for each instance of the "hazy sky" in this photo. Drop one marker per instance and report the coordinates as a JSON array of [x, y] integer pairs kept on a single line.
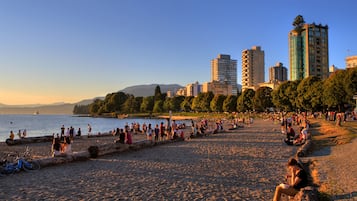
[[69, 50]]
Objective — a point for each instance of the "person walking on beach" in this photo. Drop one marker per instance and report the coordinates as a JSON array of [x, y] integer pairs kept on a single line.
[[162, 131], [157, 131], [149, 133], [89, 129], [298, 180], [128, 137], [62, 130], [79, 132]]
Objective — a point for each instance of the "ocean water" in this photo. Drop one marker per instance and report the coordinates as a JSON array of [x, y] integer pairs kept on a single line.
[[40, 125]]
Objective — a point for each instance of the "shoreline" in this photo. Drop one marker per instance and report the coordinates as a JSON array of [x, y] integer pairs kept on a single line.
[[243, 164]]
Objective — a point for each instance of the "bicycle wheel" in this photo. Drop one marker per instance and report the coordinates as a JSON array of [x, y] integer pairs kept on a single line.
[[8, 170], [31, 166]]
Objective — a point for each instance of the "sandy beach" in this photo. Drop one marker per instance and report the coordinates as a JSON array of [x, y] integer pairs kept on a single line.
[[245, 164]]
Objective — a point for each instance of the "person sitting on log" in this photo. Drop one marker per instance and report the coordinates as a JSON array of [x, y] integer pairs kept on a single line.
[[12, 135], [302, 137], [290, 134], [299, 179], [56, 146]]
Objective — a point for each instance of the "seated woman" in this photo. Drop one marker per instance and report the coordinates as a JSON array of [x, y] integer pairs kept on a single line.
[[298, 180], [290, 133], [56, 146], [302, 137], [12, 135]]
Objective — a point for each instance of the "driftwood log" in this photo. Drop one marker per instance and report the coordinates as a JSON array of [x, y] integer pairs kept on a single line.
[[309, 193], [305, 148], [28, 140], [100, 150], [100, 135]]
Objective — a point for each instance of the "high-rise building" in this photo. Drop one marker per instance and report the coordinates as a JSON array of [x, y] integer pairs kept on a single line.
[[222, 88], [193, 89], [224, 69], [252, 67], [278, 73], [308, 50], [351, 62]]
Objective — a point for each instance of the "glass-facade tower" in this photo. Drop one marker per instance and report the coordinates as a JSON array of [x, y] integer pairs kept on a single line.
[[224, 69], [308, 51]]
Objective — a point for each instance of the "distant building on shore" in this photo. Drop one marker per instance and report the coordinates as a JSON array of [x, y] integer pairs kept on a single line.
[[252, 67], [218, 87], [193, 89], [278, 73], [308, 50], [351, 62], [224, 72]]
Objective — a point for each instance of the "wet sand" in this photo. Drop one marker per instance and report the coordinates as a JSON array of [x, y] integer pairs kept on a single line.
[[245, 164]]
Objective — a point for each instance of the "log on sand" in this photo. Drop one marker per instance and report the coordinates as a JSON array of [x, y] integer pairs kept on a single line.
[[99, 150], [47, 138], [305, 148]]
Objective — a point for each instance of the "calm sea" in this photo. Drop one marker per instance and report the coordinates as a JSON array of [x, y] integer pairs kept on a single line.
[[40, 125]]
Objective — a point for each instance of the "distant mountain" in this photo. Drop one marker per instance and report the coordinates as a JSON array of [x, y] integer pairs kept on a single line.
[[65, 108], [88, 101], [149, 90]]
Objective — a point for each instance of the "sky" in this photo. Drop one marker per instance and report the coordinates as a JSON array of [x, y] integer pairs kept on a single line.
[[68, 50]]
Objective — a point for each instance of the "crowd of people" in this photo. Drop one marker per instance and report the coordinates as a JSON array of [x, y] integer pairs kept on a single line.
[[159, 132], [20, 134], [62, 142], [292, 137]]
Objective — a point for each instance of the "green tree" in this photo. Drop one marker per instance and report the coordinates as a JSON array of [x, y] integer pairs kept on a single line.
[[176, 102], [168, 104], [351, 85], [216, 104], [147, 105], [334, 94], [245, 101], [173, 103], [230, 104], [137, 103], [158, 94], [309, 94], [129, 106], [94, 108], [81, 109], [186, 104], [158, 106], [201, 103], [284, 96], [263, 99]]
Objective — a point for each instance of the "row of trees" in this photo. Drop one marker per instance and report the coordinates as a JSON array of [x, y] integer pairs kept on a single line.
[[310, 94]]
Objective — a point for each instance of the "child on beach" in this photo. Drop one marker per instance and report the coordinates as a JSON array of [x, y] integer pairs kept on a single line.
[[298, 180], [12, 135], [128, 137]]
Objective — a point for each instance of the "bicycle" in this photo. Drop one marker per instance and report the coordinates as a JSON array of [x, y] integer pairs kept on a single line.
[[21, 164]]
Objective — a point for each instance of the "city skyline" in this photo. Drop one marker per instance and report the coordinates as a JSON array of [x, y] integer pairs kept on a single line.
[[67, 51]]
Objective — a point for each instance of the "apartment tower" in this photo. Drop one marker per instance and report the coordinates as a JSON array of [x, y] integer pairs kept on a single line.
[[278, 73], [308, 50], [252, 67], [224, 69]]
